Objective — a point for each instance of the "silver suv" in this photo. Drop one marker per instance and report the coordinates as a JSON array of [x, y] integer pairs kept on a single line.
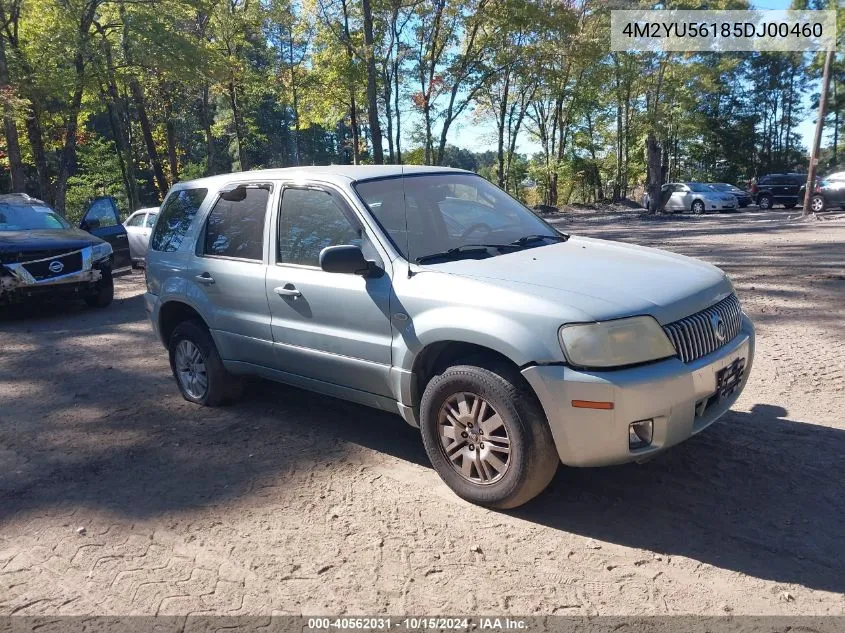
[[431, 293]]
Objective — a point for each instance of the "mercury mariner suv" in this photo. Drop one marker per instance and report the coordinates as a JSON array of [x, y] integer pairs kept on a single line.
[[431, 293]]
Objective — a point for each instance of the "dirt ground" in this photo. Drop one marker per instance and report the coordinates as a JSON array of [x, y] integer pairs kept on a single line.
[[118, 497]]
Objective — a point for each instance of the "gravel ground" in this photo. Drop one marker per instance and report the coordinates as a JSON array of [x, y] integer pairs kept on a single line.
[[118, 497]]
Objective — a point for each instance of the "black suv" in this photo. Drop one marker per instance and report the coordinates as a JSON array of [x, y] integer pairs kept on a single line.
[[42, 256], [785, 189]]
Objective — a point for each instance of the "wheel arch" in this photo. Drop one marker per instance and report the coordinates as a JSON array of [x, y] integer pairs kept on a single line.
[[439, 355], [171, 314]]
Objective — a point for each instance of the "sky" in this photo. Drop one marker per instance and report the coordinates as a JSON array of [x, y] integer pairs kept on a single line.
[[468, 134]]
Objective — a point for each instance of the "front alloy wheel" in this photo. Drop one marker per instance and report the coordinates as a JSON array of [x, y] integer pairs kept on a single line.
[[474, 438], [698, 207], [486, 434]]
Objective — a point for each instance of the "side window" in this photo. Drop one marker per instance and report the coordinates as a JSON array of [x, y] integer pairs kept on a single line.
[[136, 220], [235, 226], [310, 221], [151, 220], [177, 213], [101, 214]]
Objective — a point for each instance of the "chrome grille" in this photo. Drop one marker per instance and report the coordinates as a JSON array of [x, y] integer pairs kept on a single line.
[[697, 335]]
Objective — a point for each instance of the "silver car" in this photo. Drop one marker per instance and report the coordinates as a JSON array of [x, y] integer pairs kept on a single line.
[[431, 293], [698, 198], [138, 226]]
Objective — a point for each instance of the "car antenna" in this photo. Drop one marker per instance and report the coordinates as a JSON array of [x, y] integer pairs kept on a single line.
[[407, 241]]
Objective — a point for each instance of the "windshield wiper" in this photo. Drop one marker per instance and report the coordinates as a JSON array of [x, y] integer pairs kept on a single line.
[[523, 241], [458, 251]]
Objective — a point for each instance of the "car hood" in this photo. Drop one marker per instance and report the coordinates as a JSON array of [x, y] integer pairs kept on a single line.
[[604, 280], [46, 239]]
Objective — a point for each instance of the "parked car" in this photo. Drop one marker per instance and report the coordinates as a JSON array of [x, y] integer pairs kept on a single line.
[[829, 193], [545, 209], [41, 256], [785, 189], [138, 228], [743, 198], [697, 197], [512, 347]]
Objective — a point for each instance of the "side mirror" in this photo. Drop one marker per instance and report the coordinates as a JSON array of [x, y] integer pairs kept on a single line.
[[346, 259]]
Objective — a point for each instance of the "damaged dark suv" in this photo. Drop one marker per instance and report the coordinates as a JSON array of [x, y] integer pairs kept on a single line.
[[42, 256]]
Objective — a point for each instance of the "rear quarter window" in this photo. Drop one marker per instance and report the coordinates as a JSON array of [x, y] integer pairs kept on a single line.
[[175, 218]]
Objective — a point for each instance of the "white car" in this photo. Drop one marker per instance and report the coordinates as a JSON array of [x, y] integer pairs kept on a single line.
[[139, 225], [697, 197]]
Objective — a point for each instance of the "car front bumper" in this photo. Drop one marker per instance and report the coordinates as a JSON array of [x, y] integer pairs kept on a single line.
[[18, 285], [677, 397]]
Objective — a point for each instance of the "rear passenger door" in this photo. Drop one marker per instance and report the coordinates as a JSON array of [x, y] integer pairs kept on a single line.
[[330, 327], [835, 189], [228, 268], [102, 218]]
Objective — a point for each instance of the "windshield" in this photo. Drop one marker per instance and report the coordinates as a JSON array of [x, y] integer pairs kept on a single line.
[[29, 217], [718, 186], [698, 187], [452, 215]]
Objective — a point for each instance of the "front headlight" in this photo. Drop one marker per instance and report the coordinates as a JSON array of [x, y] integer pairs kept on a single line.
[[101, 251], [615, 343]]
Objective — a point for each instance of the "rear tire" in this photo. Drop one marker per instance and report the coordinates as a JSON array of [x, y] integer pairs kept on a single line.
[[104, 294], [500, 434], [198, 369], [697, 207], [764, 202], [817, 204]]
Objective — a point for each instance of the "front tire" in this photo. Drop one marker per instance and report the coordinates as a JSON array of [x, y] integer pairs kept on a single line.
[[697, 207], [486, 435], [104, 293], [764, 202], [198, 369]]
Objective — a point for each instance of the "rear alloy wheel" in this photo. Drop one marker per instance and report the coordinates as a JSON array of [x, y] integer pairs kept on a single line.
[[191, 371], [197, 367], [765, 202], [698, 207], [487, 436], [817, 204]]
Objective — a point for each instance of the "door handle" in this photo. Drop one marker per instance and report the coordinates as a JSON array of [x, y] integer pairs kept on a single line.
[[288, 290], [205, 279], [121, 236]]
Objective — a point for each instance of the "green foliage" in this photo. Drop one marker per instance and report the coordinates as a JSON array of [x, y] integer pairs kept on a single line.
[[178, 89], [99, 175]]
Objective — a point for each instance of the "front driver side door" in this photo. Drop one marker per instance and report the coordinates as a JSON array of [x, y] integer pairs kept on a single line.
[[102, 219], [676, 198], [329, 327]]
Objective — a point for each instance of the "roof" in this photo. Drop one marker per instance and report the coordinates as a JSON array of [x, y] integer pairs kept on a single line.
[[20, 198], [329, 173]]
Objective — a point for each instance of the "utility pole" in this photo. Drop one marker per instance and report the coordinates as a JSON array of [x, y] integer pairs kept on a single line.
[[817, 141]]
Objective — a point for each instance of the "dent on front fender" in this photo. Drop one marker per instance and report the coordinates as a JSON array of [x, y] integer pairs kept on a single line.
[[484, 328]]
